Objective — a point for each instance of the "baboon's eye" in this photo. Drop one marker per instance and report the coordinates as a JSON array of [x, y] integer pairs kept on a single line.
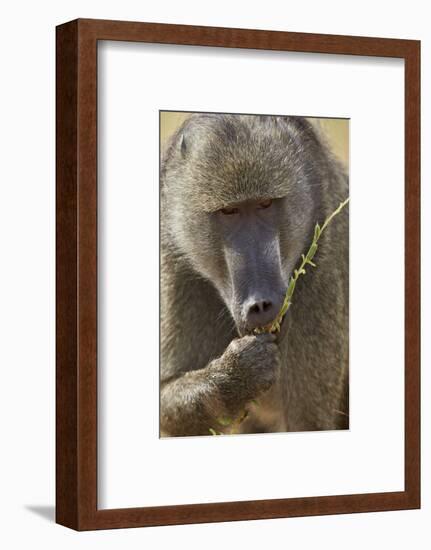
[[229, 210], [265, 204]]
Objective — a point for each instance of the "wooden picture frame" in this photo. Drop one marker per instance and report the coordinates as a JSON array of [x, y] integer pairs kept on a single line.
[[76, 292]]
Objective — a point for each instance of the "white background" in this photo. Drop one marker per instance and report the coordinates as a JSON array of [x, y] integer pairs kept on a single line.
[[135, 466], [27, 275]]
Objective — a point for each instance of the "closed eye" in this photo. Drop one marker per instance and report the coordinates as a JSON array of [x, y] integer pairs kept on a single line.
[[229, 211], [265, 204]]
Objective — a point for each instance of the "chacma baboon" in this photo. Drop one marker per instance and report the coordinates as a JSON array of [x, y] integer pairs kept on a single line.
[[240, 197]]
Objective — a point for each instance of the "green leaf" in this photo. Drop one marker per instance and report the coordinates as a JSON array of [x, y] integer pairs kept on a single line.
[[225, 421], [291, 287], [312, 251]]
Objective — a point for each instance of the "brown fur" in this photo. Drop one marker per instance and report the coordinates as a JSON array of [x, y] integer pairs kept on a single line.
[[208, 369]]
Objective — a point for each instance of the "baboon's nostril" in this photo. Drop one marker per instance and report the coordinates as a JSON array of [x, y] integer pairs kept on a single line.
[[254, 308], [259, 313], [266, 305]]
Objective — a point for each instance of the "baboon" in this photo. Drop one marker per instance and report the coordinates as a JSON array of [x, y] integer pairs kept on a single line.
[[240, 196]]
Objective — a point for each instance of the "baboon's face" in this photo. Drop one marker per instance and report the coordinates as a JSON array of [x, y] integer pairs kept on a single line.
[[240, 211], [254, 285], [247, 250]]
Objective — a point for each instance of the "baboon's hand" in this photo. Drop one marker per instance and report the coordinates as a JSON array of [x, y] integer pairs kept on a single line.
[[249, 367]]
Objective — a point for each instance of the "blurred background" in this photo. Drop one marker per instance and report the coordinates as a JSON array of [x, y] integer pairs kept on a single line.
[[336, 131]]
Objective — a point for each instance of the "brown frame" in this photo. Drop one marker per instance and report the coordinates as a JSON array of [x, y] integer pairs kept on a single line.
[[76, 372]]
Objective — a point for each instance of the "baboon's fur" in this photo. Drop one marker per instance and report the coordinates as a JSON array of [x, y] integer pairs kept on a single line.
[[207, 371]]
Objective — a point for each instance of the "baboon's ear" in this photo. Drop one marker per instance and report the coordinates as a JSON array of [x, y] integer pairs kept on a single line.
[[183, 145]]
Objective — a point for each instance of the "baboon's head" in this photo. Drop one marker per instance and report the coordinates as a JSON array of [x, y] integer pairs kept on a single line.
[[238, 202]]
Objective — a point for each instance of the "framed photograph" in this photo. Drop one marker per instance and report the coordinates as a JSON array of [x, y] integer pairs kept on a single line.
[[238, 274]]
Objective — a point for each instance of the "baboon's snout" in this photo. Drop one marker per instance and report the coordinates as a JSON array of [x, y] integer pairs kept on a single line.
[[261, 308]]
